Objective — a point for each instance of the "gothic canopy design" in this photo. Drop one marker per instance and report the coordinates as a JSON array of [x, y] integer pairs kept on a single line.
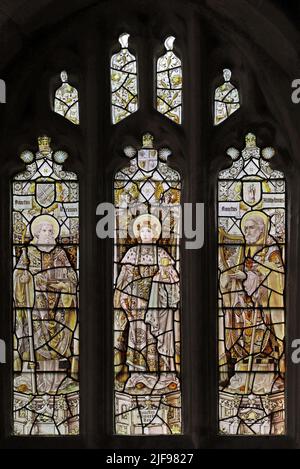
[[45, 219], [251, 316]]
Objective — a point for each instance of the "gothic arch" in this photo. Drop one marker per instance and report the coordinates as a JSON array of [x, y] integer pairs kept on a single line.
[[260, 43]]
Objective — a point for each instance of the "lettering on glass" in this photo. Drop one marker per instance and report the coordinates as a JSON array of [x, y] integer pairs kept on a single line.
[[251, 315], [147, 294], [45, 295]]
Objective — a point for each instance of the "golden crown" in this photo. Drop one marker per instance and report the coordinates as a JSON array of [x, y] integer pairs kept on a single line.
[[250, 140], [44, 140], [148, 140], [44, 144]]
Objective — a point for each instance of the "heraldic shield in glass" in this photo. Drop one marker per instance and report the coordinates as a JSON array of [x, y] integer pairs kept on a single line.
[[45, 295], [147, 294], [251, 222]]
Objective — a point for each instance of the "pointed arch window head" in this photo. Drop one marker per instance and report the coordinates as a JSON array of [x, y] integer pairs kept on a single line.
[[124, 82], [226, 100], [66, 101], [147, 196], [45, 220], [251, 318], [169, 83]]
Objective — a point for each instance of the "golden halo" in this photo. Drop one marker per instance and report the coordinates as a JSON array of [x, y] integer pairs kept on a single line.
[[45, 219], [254, 214], [151, 220]]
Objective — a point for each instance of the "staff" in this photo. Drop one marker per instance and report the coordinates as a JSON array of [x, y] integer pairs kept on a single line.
[[30, 324], [251, 352]]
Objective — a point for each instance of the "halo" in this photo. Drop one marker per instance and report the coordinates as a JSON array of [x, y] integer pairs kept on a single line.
[[152, 220], [256, 213], [45, 219]]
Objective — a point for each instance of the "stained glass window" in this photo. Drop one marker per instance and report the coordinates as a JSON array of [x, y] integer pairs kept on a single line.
[[169, 83], [66, 100], [227, 99], [45, 293], [251, 221], [147, 294], [124, 82]]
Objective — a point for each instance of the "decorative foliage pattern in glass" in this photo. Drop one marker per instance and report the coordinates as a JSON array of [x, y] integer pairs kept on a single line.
[[252, 231], [124, 82], [169, 83], [45, 295], [147, 294], [227, 99], [66, 100]]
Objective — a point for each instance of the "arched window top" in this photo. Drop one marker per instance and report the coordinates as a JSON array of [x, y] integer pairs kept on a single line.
[[169, 83], [45, 164], [209, 38], [147, 295], [149, 163], [252, 163], [124, 82], [45, 220], [226, 100], [66, 100]]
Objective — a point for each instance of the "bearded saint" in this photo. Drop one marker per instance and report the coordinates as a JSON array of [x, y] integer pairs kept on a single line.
[[45, 286], [253, 290]]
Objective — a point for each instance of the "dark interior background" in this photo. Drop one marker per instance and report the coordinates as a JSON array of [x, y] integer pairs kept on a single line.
[[259, 41]]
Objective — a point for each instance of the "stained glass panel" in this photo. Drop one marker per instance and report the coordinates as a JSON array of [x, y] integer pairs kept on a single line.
[[169, 83], [227, 99], [147, 294], [45, 292], [66, 100], [251, 221], [124, 82]]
